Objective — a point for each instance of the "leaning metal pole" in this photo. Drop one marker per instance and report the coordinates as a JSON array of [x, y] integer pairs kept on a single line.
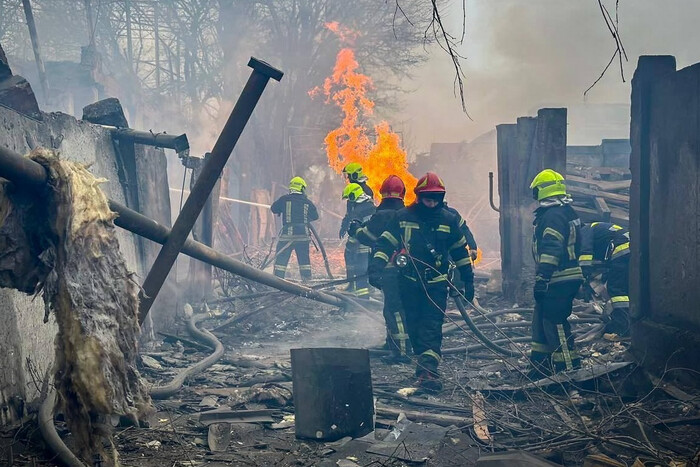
[[262, 72], [30, 175]]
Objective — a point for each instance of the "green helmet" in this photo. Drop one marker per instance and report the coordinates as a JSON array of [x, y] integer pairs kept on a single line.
[[297, 184], [547, 184], [354, 172], [353, 191]]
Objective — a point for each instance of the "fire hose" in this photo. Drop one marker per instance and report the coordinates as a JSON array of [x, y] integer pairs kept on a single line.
[[46, 423], [48, 429], [477, 332], [312, 229], [204, 336]]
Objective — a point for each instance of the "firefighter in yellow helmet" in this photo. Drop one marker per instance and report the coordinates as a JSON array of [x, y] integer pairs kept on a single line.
[[296, 211], [360, 208], [556, 248]]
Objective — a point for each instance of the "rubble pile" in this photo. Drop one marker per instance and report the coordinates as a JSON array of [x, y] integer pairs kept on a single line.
[[241, 410]]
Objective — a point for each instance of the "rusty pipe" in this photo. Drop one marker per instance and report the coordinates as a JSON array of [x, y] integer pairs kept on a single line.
[[493, 206], [213, 166], [26, 173], [160, 140]]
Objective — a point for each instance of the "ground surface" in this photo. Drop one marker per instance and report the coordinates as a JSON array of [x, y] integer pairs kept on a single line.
[[620, 414]]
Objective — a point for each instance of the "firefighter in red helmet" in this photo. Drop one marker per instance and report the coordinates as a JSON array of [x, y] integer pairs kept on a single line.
[[420, 242], [393, 192]]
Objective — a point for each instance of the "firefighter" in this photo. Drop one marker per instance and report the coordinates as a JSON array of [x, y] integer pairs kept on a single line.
[[556, 248], [296, 211], [393, 192], [360, 208], [420, 242], [354, 174], [606, 247]]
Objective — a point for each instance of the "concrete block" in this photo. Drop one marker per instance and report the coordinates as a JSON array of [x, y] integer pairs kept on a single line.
[[16, 93], [106, 112]]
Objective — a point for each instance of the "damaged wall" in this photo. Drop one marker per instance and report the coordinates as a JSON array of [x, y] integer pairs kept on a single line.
[[665, 213], [24, 337], [534, 143]]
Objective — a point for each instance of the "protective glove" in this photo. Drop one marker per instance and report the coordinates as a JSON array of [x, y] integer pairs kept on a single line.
[[354, 227], [375, 280], [469, 291], [342, 232], [540, 289]]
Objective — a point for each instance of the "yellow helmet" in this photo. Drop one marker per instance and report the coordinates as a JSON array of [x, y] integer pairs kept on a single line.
[[546, 184], [297, 184], [353, 191], [354, 172]]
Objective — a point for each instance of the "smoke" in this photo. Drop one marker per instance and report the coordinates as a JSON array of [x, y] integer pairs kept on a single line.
[[521, 56]]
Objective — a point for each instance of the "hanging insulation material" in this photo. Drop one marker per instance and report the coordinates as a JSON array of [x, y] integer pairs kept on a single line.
[[62, 244]]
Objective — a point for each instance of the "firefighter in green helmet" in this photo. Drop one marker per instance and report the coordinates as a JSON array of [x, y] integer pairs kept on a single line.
[[360, 208], [296, 211], [556, 247]]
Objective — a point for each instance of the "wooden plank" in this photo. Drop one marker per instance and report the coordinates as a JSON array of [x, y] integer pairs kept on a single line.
[[481, 427], [614, 198], [601, 184], [602, 208], [426, 417]]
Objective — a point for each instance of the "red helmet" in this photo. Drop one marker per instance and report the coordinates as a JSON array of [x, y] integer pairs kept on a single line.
[[429, 183], [393, 187]]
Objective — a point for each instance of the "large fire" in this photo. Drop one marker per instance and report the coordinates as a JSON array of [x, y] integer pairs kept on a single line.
[[350, 142]]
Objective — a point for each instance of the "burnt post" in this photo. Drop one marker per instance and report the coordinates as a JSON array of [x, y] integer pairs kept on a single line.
[[262, 72], [649, 70], [532, 144]]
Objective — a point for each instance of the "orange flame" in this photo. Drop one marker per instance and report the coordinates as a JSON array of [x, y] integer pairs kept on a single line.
[[348, 89]]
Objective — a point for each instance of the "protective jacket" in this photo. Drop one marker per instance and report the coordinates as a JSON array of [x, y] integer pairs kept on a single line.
[[370, 231], [359, 211], [296, 211], [602, 241], [556, 243], [464, 228], [430, 238]]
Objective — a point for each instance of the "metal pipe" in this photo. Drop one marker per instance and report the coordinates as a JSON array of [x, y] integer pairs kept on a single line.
[[28, 174], [161, 140], [214, 165], [493, 206]]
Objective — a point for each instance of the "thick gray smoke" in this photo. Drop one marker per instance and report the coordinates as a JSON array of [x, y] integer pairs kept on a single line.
[[523, 55]]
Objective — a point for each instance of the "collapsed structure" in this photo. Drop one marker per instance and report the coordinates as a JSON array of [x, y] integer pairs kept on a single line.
[[662, 143]]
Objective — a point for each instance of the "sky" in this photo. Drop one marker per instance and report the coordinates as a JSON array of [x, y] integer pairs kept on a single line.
[[525, 54]]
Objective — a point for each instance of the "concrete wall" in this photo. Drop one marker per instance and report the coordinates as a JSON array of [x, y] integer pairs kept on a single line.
[[665, 213], [23, 335], [524, 149]]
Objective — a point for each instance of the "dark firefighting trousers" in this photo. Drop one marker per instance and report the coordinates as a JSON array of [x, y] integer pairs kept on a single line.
[[284, 252], [397, 340], [424, 317], [618, 289], [553, 347], [356, 263]]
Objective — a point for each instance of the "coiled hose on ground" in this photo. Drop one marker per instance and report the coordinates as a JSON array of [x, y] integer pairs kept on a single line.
[[204, 336]]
